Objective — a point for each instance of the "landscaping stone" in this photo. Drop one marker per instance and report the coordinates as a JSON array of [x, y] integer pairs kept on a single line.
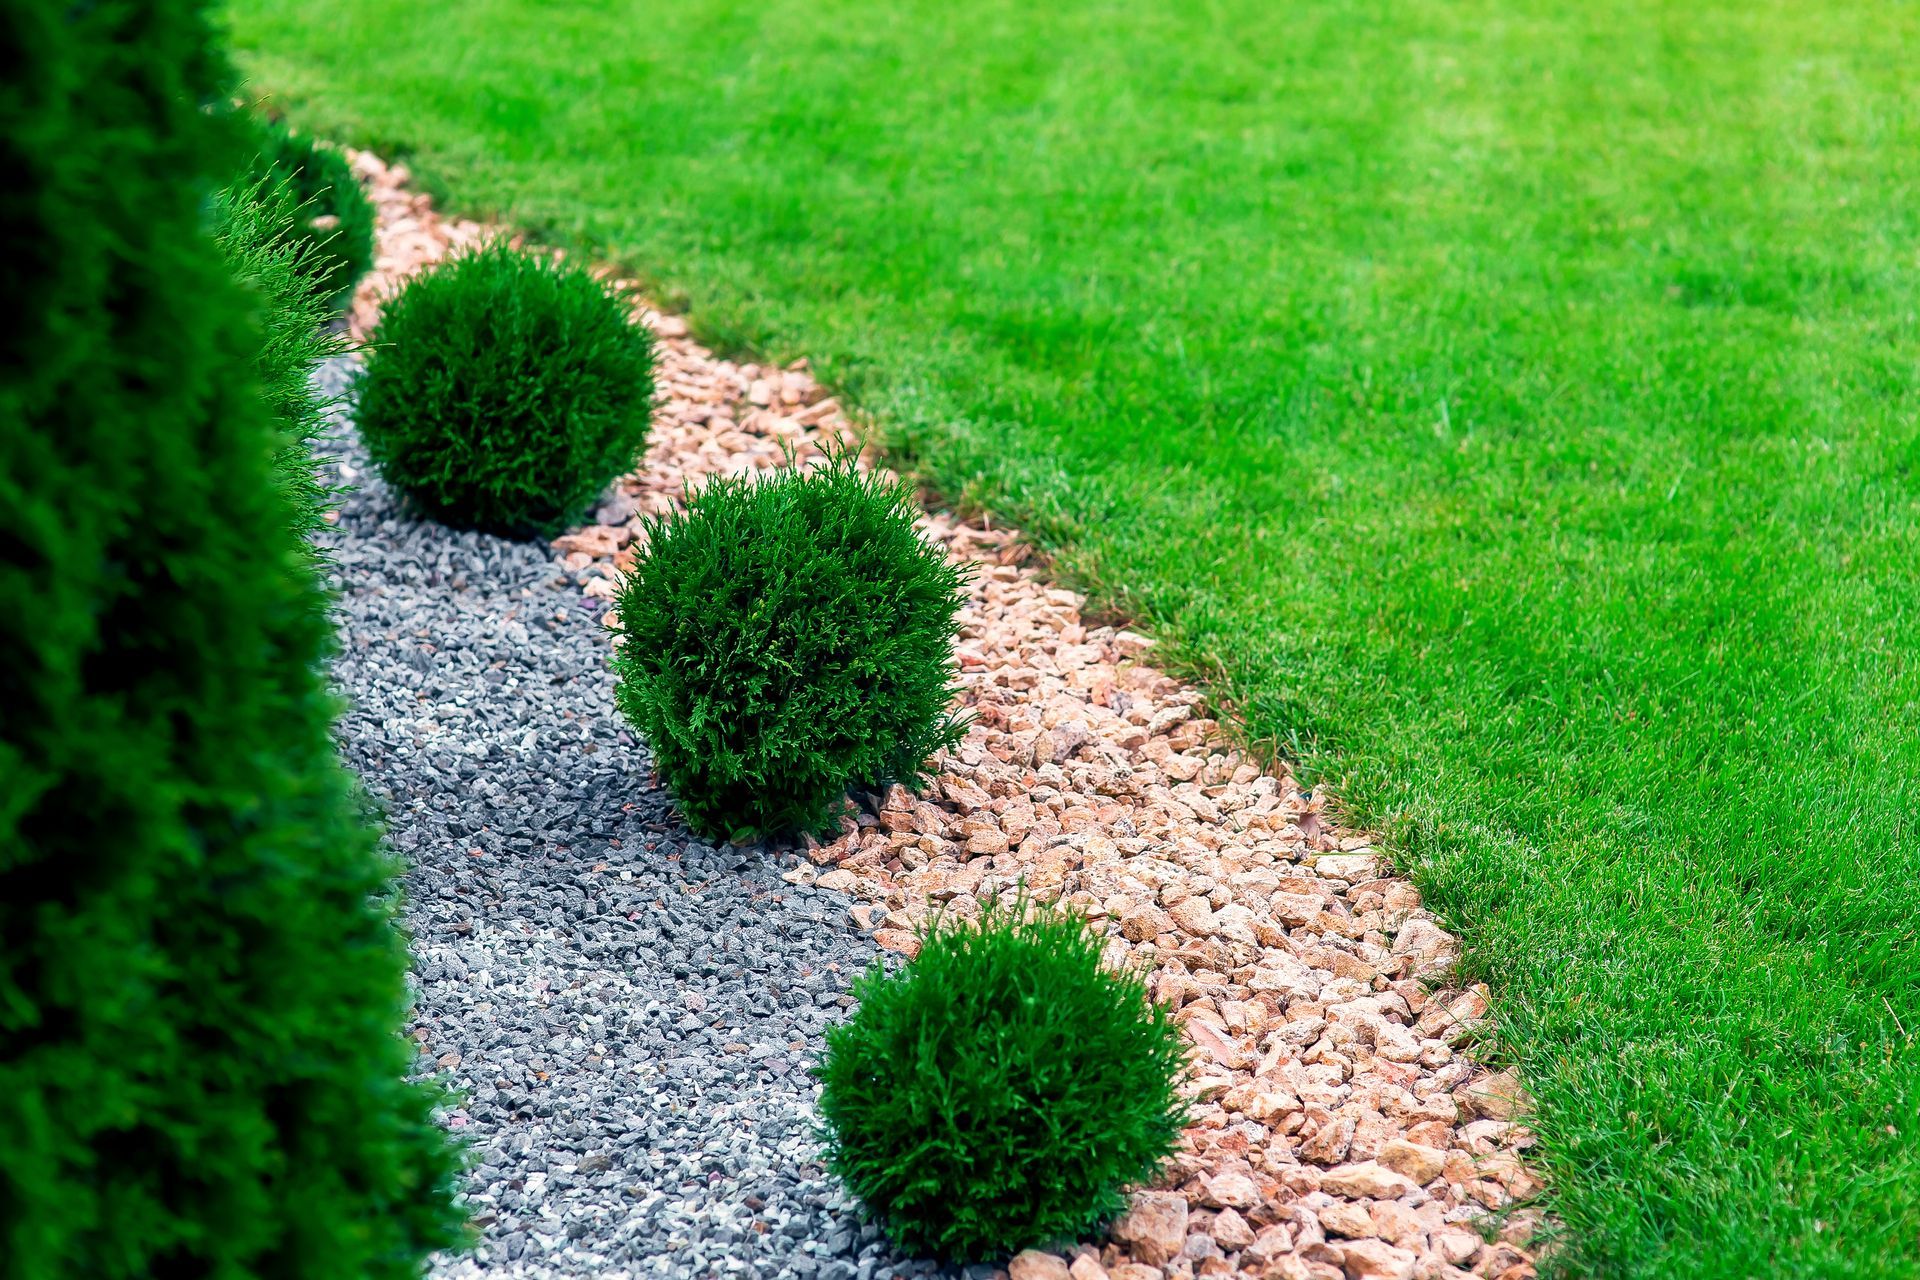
[[1154, 1226], [1304, 971], [1366, 1181], [1420, 1164], [1031, 1264], [1497, 1097], [627, 1013]]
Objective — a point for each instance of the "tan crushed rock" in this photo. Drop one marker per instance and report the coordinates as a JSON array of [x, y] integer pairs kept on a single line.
[[1340, 1130], [1031, 1264]]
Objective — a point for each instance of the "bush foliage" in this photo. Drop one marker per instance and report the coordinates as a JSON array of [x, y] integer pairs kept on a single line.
[[255, 227], [200, 1071], [784, 639], [504, 390], [329, 211], [1002, 1089]]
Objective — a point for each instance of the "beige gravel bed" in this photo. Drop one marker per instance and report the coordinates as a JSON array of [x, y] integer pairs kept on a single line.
[[1341, 1128]]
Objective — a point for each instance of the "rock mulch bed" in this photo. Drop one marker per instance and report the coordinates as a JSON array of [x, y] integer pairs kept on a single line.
[[1340, 1128], [628, 1013]]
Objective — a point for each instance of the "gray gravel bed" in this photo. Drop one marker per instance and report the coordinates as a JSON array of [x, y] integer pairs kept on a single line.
[[627, 1013]]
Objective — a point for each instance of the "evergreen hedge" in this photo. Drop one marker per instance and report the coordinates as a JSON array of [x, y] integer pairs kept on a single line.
[[199, 1069]]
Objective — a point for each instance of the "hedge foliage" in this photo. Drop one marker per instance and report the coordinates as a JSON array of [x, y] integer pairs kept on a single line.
[[1001, 1090], [256, 225], [334, 217], [784, 639], [200, 1074], [504, 390]]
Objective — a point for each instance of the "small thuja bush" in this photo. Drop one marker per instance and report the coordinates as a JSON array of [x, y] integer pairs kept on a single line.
[[784, 639], [505, 390], [1002, 1089]]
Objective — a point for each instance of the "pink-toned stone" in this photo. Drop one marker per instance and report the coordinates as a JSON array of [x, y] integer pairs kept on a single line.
[[1365, 1181], [1429, 949], [1194, 915], [1154, 1226], [1144, 923], [903, 941], [1232, 1191], [1419, 1164], [1231, 1231], [1031, 1264], [1345, 1219], [1396, 1223], [1376, 1260], [1296, 1266], [1347, 866], [1272, 1241], [1329, 1143], [1457, 1245], [1497, 1097]]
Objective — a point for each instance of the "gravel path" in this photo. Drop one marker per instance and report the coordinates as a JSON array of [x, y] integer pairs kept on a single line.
[[628, 1013], [1342, 1127]]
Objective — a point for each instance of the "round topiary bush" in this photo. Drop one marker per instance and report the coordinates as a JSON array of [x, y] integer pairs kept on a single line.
[[333, 214], [504, 390], [1002, 1089], [783, 640]]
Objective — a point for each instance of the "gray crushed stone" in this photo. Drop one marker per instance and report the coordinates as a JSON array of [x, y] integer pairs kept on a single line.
[[627, 1013]]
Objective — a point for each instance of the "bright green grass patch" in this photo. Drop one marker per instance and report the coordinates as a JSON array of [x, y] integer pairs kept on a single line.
[[1512, 403]]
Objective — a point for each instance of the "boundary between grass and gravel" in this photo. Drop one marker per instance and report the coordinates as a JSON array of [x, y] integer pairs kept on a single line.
[[1308, 979]]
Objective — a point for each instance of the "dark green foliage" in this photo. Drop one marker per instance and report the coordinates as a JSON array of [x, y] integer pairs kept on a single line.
[[504, 390], [335, 218], [254, 225], [1002, 1089], [784, 639], [200, 1072]]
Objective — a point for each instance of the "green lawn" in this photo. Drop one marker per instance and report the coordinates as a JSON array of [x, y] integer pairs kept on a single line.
[[1510, 406]]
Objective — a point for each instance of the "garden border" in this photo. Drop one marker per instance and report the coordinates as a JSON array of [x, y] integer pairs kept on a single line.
[[1340, 1127]]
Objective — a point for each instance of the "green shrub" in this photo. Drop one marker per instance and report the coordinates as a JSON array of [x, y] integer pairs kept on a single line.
[[332, 214], [1002, 1089], [505, 390], [784, 639], [253, 225], [200, 1071]]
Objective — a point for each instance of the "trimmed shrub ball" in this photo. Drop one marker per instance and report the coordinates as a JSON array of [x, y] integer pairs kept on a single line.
[[1002, 1089], [785, 639], [331, 213], [505, 390]]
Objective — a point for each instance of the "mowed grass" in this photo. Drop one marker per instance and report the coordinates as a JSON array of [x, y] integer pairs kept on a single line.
[[1510, 407]]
